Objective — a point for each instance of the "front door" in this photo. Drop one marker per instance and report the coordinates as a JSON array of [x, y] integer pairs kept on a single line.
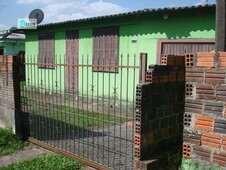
[[72, 44]]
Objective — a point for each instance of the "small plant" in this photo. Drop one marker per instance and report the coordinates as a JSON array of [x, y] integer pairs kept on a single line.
[[9, 143], [46, 162]]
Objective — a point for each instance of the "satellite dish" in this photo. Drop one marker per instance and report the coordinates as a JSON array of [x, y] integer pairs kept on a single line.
[[37, 14]]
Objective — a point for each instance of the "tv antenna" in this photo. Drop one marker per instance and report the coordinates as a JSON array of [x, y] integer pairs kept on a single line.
[[37, 14]]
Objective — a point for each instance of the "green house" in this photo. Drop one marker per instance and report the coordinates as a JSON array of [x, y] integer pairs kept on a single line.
[[113, 40], [11, 43]]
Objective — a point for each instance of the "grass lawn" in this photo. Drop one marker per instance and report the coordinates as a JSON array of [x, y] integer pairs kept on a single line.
[[9, 143], [74, 116], [46, 162]]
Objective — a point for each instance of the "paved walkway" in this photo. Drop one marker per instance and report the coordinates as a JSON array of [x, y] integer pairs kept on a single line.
[[27, 153]]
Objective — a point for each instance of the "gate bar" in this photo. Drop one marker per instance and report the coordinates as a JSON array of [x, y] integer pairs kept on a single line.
[[59, 151]]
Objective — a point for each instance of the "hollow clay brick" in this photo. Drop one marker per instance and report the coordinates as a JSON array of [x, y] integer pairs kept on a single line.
[[205, 59]]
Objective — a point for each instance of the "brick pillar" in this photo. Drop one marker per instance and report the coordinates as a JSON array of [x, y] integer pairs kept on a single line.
[[159, 115], [7, 105]]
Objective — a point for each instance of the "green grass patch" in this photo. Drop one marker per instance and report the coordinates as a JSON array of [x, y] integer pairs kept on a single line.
[[78, 117], [9, 143], [82, 118], [46, 162]]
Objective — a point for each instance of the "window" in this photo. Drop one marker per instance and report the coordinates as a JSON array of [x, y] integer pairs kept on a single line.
[[105, 49], [46, 50]]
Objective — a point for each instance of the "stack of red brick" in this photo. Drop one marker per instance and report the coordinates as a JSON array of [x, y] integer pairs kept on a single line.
[[6, 71], [170, 70], [6, 63], [159, 110], [205, 108], [6, 91]]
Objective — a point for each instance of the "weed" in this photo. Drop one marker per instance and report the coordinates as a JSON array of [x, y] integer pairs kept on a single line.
[[46, 162], [9, 143]]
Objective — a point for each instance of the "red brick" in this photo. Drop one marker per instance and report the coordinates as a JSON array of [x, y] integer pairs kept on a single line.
[[149, 138], [211, 140], [203, 123], [137, 140], [220, 126], [187, 119], [222, 59], [137, 152], [152, 77], [149, 76], [191, 136], [205, 64], [189, 60], [180, 60], [172, 76], [211, 135], [181, 76], [168, 59], [138, 117], [205, 118], [225, 111], [202, 153], [205, 59], [9, 59], [215, 76], [164, 78], [224, 143], [205, 87], [205, 92], [215, 108], [186, 150], [192, 106], [221, 93], [219, 158], [189, 88], [195, 75], [137, 128]]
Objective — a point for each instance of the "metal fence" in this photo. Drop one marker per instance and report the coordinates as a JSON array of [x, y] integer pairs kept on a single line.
[[82, 110]]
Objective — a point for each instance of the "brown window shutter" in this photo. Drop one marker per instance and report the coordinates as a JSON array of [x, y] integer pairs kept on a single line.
[[105, 49], [50, 51], [46, 50]]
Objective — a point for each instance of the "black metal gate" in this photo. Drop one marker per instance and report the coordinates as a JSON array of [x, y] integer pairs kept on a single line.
[[93, 122]]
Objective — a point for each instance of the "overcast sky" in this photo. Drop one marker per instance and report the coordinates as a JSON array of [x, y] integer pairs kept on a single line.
[[61, 10]]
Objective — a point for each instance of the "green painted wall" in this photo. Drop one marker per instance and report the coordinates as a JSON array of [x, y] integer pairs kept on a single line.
[[41, 77], [145, 30]]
